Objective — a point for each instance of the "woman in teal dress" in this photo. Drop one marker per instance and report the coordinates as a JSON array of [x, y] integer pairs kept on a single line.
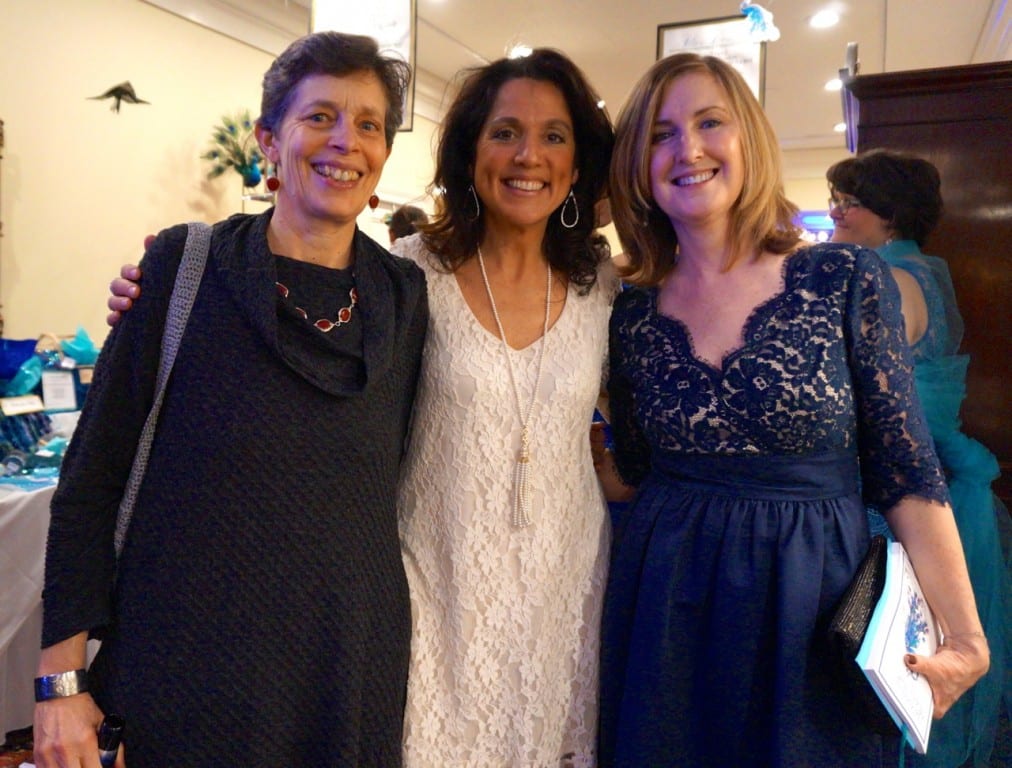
[[890, 202]]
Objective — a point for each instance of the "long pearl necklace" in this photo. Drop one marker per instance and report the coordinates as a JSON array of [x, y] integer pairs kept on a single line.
[[521, 478]]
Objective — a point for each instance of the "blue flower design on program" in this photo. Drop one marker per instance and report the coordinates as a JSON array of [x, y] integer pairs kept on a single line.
[[917, 625]]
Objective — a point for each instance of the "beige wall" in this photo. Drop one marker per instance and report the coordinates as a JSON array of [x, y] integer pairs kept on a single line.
[[80, 185], [805, 175]]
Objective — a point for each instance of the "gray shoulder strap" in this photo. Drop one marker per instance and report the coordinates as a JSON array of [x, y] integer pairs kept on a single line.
[[191, 269]]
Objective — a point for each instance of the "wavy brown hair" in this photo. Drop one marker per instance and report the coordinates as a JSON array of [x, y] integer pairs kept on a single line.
[[762, 215], [454, 234]]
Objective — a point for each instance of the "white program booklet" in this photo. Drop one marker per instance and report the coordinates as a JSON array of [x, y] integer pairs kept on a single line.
[[901, 623]]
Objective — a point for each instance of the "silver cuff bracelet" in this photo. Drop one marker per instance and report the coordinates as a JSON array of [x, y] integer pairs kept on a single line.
[[60, 685]]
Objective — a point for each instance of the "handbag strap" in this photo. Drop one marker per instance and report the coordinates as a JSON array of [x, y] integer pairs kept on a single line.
[[184, 291]]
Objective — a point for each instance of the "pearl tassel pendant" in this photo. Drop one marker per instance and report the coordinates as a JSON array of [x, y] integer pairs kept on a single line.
[[521, 484], [521, 473]]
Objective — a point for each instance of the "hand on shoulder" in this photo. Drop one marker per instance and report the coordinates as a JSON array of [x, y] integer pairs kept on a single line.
[[125, 288]]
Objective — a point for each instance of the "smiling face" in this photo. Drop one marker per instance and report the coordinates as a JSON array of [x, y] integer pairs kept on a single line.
[[696, 161], [858, 224], [525, 155], [329, 148]]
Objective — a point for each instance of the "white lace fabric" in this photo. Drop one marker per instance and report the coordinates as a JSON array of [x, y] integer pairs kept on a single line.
[[505, 620]]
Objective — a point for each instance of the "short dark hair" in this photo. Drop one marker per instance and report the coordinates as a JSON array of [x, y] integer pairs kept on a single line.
[[337, 54], [405, 220], [903, 189], [455, 233]]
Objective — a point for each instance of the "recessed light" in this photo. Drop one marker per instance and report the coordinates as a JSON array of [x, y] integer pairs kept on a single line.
[[840, 127], [824, 19], [834, 85]]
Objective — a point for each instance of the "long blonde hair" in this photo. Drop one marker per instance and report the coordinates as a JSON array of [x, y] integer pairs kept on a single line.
[[762, 215]]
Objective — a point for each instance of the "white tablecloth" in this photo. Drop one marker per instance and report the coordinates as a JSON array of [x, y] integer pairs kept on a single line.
[[24, 522]]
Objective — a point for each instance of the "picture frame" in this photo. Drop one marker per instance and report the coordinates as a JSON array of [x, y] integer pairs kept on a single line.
[[392, 23], [728, 38], [272, 27]]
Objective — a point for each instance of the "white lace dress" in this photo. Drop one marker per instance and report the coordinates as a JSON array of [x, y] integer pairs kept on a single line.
[[504, 649]]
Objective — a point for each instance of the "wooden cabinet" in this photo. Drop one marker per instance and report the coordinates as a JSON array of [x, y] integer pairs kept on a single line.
[[960, 118]]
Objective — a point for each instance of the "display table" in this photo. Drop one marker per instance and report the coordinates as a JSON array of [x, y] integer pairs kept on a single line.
[[24, 523]]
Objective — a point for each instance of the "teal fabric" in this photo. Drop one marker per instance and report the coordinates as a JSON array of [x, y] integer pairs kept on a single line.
[[966, 734]]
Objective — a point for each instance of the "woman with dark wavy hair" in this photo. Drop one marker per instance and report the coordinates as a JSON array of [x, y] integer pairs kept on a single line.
[[503, 526], [457, 230]]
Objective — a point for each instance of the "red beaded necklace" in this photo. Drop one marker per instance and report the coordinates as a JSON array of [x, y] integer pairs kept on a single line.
[[323, 324]]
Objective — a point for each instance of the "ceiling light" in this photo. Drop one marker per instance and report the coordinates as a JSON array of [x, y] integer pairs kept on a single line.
[[824, 19], [600, 104], [834, 85], [840, 127], [519, 51]]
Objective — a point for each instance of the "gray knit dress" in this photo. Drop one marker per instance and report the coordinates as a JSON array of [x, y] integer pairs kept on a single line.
[[260, 615]]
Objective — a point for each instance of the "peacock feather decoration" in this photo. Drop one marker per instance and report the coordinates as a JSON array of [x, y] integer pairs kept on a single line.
[[234, 146]]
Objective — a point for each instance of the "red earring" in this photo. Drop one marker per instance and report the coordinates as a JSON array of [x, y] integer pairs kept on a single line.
[[273, 183], [374, 201]]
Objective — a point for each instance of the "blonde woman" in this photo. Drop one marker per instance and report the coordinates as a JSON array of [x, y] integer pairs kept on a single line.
[[758, 388]]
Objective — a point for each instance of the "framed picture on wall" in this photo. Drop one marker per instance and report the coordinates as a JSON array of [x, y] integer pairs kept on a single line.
[[272, 26], [390, 22], [728, 38]]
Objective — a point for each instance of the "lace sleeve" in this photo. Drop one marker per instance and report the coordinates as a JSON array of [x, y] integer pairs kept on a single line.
[[632, 452], [897, 458]]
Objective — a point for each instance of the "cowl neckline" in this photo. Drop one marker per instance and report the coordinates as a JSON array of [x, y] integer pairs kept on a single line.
[[248, 268]]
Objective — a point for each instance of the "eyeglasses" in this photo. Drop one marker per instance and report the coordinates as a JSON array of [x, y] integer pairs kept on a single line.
[[844, 204]]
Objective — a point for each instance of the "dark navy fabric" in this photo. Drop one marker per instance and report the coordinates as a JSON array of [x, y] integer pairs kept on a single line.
[[750, 517]]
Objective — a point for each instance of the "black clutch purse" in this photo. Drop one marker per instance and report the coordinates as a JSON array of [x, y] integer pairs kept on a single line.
[[846, 633]]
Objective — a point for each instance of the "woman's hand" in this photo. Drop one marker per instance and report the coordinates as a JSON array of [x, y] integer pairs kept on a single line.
[[124, 290], [65, 733], [957, 664], [604, 464], [928, 531], [598, 444]]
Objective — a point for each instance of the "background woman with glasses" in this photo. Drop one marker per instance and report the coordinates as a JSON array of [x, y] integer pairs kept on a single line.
[[843, 204], [891, 202]]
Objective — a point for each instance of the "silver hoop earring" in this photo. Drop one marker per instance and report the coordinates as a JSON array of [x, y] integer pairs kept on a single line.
[[571, 198], [477, 204]]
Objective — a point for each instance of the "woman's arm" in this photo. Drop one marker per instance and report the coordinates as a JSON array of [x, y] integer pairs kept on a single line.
[[902, 476], [604, 464], [928, 532], [80, 559], [64, 728]]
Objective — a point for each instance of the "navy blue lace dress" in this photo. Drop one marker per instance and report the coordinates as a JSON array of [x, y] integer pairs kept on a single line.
[[749, 521]]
